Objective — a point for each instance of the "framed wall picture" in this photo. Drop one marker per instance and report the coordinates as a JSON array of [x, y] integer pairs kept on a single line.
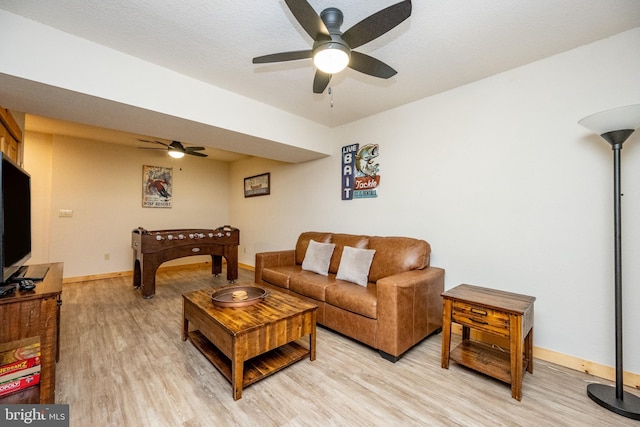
[[157, 188], [258, 185]]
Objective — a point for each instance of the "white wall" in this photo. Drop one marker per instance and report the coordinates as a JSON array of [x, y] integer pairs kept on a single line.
[[499, 178], [37, 160], [496, 175], [102, 184]]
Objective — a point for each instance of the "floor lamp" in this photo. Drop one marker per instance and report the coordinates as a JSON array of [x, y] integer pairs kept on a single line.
[[615, 126]]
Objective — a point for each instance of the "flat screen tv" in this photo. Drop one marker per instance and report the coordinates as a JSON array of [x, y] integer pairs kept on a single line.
[[15, 217]]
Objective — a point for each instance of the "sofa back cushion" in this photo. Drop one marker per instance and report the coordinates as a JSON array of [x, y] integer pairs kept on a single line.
[[303, 243], [397, 254], [342, 240]]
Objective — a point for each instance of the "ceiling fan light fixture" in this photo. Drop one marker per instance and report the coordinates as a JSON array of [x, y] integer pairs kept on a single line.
[[176, 154], [332, 57]]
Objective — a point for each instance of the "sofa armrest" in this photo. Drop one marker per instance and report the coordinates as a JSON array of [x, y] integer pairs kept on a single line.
[[273, 259], [409, 306]]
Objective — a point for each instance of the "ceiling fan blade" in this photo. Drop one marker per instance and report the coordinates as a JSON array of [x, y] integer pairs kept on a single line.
[[308, 18], [176, 145], [152, 142], [187, 149], [377, 24], [320, 81], [283, 56], [195, 153], [151, 148], [369, 65]]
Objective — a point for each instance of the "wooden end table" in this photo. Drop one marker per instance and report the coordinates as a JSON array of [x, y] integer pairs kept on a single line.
[[497, 313], [247, 344]]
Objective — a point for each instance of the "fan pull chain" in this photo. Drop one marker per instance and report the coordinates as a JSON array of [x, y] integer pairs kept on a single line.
[[331, 93]]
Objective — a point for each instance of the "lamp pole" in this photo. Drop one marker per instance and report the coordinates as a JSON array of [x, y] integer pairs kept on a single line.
[[626, 120]]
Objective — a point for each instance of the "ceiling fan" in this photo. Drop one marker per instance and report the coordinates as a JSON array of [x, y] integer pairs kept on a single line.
[[330, 43], [176, 149]]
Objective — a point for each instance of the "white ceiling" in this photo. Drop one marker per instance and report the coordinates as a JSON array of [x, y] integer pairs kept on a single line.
[[62, 127], [443, 45]]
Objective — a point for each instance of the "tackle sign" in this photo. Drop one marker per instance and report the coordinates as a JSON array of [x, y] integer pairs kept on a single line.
[[360, 177]]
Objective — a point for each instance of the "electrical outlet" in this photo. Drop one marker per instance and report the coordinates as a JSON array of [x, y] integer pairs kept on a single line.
[[107, 257], [66, 213]]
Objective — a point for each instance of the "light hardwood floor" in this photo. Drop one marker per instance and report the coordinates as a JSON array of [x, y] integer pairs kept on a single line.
[[123, 363]]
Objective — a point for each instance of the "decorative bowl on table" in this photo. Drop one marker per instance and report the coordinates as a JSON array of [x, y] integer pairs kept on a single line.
[[238, 296]]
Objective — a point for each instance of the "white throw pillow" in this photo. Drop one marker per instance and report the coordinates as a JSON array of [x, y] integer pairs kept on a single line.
[[318, 257], [355, 264]]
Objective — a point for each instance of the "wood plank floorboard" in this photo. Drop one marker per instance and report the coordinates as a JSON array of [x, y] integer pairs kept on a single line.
[[122, 363]]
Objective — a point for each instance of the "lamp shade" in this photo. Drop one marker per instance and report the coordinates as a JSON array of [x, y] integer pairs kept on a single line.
[[621, 118], [331, 58]]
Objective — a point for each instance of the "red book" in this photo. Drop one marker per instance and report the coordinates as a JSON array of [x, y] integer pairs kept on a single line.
[[19, 384], [18, 365]]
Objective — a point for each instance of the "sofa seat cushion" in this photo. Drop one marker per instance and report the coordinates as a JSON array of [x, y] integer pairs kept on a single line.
[[354, 298], [280, 276], [311, 284]]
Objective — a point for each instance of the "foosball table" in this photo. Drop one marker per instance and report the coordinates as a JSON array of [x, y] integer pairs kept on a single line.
[[152, 248]]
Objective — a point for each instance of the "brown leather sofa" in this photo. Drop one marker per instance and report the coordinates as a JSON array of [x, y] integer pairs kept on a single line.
[[400, 305]]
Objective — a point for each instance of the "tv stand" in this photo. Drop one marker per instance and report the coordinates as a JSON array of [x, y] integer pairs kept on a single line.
[[31, 314]]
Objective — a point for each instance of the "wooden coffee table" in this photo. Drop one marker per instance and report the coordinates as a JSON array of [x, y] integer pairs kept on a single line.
[[247, 344]]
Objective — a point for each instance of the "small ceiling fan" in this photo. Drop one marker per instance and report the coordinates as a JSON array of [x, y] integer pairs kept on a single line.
[[176, 149], [330, 44]]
